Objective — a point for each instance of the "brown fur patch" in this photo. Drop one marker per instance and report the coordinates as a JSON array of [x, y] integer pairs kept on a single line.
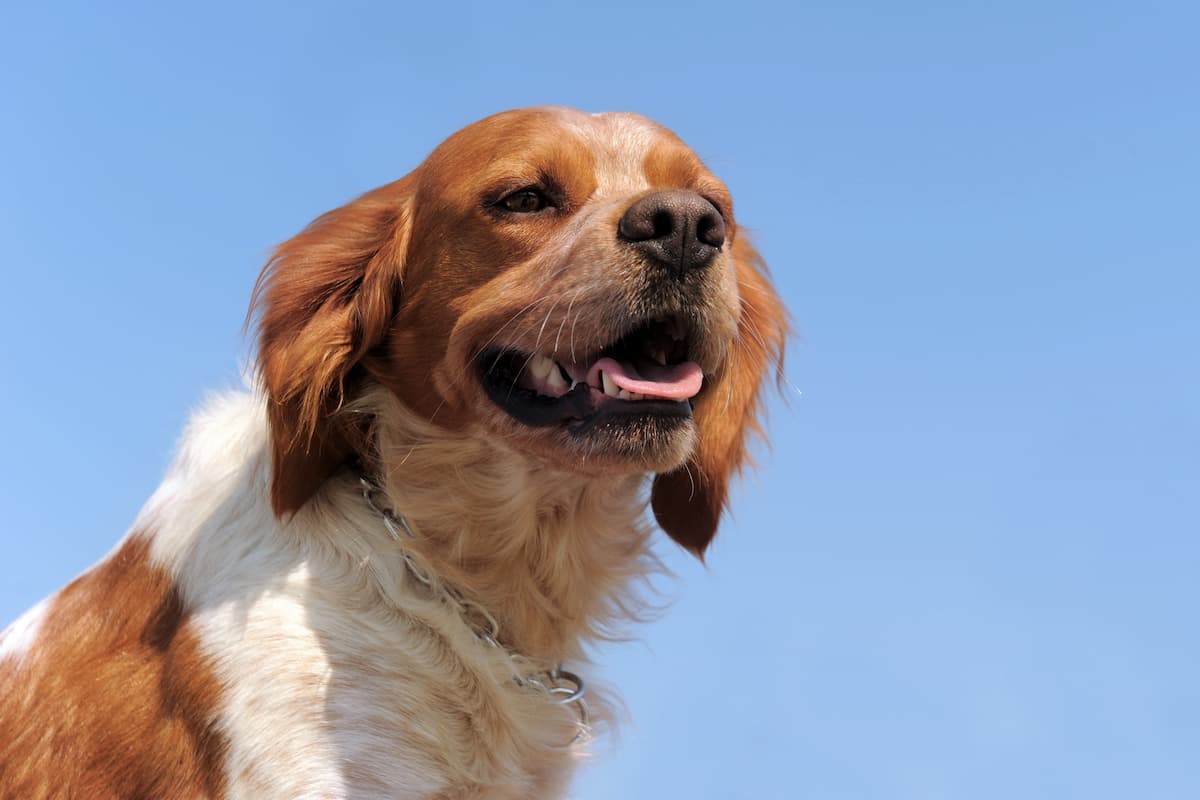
[[688, 502], [113, 697]]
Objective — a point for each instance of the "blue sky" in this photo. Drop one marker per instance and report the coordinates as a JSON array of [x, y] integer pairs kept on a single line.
[[967, 567]]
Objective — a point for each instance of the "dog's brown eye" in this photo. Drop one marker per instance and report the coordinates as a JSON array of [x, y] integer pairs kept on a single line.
[[526, 201]]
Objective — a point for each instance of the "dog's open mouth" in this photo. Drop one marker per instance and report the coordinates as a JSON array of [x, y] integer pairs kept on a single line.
[[647, 372]]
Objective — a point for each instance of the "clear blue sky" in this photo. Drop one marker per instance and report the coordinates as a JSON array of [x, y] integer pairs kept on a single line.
[[969, 566]]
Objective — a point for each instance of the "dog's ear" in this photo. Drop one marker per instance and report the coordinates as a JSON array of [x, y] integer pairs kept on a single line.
[[326, 297], [688, 501]]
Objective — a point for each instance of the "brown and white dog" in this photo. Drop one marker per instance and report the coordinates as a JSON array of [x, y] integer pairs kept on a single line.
[[359, 580]]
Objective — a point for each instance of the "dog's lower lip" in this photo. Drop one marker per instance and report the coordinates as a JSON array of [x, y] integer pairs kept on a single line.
[[631, 412]]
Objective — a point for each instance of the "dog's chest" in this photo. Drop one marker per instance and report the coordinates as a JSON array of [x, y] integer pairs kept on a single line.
[[333, 693]]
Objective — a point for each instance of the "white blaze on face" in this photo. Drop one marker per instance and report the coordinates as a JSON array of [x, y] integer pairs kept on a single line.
[[16, 639], [619, 142]]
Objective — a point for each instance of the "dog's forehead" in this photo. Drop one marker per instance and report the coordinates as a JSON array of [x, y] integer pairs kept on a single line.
[[620, 144], [612, 154]]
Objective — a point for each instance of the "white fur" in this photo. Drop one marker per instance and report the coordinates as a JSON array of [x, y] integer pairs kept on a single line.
[[344, 679], [620, 145], [18, 638]]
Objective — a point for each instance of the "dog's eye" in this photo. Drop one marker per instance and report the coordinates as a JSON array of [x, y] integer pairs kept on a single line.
[[526, 201]]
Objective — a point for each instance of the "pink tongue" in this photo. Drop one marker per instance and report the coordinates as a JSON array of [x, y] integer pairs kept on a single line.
[[674, 382]]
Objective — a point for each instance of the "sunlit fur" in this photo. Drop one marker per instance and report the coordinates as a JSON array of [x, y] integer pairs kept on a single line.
[[320, 634], [257, 635]]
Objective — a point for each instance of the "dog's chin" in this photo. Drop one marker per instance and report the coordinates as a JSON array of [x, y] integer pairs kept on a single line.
[[606, 444]]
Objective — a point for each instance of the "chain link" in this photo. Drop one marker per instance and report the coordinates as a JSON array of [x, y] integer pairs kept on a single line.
[[561, 686]]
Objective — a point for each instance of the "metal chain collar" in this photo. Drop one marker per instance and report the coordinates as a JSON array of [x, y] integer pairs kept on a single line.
[[561, 686]]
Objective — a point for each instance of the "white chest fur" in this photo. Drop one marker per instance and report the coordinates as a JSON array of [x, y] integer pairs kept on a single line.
[[342, 676]]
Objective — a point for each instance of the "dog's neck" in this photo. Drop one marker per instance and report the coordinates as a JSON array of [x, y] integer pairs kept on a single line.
[[555, 558]]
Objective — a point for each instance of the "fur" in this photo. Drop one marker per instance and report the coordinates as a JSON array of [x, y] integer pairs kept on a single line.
[[258, 633]]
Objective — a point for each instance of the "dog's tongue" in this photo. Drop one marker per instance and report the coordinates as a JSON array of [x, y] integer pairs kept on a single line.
[[673, 382]]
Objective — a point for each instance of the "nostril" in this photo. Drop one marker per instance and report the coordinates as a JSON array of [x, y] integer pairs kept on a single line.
[[663, 224], [710, 229], [639, 223]]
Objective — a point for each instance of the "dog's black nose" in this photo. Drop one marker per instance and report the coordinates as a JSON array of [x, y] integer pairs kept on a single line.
[[677, 228]]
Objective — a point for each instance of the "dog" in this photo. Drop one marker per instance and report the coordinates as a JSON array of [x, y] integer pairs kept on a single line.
[[372, 575]]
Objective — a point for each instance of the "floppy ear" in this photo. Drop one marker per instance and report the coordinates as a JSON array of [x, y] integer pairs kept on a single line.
[[323, 301], [688, 501]]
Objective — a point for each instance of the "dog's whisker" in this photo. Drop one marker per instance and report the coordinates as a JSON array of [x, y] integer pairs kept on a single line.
[[574, 297], [573, 334], [538, 342], [733, 356], [482, 349]]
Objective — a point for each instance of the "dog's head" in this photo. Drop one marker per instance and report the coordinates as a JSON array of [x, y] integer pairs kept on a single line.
[[574, 285]]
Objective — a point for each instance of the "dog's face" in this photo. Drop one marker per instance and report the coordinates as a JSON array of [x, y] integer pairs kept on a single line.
[[572, 284], [568, 282]]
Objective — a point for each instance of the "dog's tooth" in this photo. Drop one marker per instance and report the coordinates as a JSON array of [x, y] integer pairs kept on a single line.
[[624, 395], [610, 388], [534, 366], [634, 396], [660, 356], [554, 377]]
